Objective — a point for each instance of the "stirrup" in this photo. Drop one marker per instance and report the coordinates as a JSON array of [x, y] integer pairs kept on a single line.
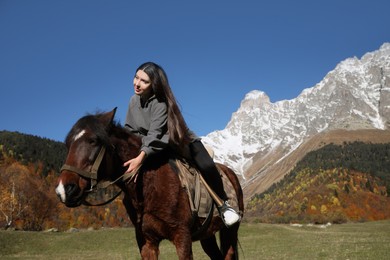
[[228, 214]]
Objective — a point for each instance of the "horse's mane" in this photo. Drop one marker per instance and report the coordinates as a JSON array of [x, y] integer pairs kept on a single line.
[[93, 124]]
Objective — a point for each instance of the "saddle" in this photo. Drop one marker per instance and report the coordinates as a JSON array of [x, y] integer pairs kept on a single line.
[[201, 202]]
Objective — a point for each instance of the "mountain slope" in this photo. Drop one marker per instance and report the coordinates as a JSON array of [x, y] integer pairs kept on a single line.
[[355, 95], [270, 169], [336, 183]]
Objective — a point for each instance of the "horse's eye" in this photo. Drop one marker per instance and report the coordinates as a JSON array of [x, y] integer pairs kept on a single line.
[[92, 141]]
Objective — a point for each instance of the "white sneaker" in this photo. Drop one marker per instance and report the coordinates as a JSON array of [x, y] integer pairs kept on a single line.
[[228, 214], [230, 217]]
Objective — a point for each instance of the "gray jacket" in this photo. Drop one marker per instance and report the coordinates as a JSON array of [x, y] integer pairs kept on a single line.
[[149, 120]]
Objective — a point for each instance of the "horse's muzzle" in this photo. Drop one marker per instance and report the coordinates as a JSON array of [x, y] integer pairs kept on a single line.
[[70, 194]]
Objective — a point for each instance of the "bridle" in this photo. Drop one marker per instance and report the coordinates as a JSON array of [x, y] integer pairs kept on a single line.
[[92, 173]]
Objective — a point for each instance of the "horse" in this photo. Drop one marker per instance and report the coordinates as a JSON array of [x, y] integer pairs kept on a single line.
[[157, 205]]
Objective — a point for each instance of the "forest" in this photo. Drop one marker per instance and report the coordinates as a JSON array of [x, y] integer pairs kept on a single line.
[[29, 168], [27, 149], [337, 183]]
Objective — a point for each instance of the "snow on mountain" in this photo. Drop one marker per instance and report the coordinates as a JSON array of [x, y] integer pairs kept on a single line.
[[355, 95]]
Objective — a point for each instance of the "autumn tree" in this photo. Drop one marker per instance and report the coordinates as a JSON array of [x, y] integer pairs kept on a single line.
[[24, 202], [9, 205], [12, 204]]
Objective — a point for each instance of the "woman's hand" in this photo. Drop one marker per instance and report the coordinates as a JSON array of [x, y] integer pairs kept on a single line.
[[135, 163]]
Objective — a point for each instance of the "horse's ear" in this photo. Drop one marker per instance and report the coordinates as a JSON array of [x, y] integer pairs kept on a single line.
[[108, 117], [113, 115]]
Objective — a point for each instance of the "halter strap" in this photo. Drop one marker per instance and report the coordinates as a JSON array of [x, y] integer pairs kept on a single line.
[[86, 174], [92, 174]]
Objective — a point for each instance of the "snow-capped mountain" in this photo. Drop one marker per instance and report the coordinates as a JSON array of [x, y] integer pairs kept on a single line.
[[355, 95]]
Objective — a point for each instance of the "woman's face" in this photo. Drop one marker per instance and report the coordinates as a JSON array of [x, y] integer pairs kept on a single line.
[[142, 84]]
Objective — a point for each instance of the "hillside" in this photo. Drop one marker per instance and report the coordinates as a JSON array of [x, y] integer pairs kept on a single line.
[[33, 149], [271, 167], [336, 183]]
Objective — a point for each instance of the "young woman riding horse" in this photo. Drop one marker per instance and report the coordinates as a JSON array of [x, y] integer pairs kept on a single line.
[[102, 151], [154, 115]]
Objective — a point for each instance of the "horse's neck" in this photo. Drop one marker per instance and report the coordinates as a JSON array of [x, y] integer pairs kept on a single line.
[[127, 144]]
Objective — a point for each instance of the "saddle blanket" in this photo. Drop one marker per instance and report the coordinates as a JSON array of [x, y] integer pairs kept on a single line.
[[200, 199]]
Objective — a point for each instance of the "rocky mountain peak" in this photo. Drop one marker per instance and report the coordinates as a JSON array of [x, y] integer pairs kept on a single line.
[[355, 95]]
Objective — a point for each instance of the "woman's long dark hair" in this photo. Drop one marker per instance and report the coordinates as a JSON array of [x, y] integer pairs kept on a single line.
[[177, 127]]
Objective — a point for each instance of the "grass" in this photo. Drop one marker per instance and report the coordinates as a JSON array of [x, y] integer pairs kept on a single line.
[[369, 240]]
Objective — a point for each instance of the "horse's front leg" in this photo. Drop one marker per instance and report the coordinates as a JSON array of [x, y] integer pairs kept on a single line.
[[150, 250], [140, 238], [183, 244]]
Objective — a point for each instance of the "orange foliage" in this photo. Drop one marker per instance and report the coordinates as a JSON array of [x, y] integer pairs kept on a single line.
[[336, 195], [28, 202]]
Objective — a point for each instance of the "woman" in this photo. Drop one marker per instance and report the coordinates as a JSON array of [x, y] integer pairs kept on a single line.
[[154, 114]]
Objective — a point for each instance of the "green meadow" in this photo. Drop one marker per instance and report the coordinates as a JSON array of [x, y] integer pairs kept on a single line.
[[370, 240]]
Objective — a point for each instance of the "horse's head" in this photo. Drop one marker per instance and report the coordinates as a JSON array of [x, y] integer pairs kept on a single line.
[[87, 142]]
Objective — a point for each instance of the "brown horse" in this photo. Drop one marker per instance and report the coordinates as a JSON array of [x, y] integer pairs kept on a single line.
[[157, 204]]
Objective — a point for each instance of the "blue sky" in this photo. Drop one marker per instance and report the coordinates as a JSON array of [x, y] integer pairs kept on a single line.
[[62, 59]]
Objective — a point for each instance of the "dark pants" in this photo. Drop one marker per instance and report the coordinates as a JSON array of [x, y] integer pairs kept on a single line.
[[207, 168]]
